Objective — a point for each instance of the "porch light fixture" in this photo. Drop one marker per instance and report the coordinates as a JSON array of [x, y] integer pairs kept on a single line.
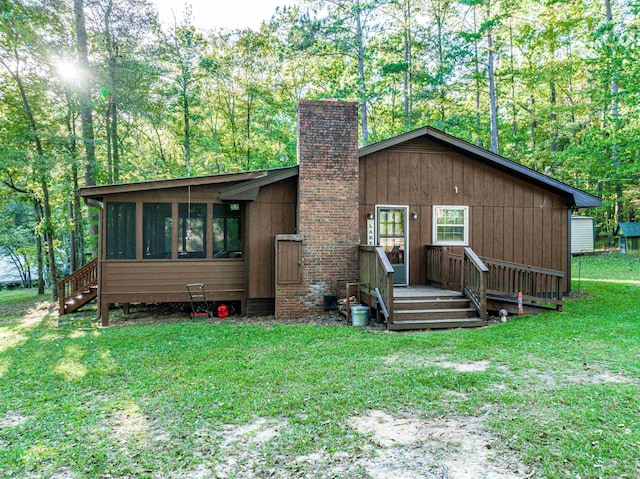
[[414, 215], [369, 216]]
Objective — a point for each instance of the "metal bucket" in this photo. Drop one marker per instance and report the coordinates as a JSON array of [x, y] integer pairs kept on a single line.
[[360, 315]]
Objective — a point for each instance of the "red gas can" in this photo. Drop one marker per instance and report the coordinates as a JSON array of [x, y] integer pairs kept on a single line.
[[223, 311]]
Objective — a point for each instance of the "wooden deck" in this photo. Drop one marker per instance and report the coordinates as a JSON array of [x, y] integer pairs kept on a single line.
[[400, 292]]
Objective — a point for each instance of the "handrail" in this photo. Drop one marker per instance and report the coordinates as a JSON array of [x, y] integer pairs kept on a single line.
[[504, 279], [77, 282], [472, 256], [376, 270], [524, 267], [537, 285], [474, 280]]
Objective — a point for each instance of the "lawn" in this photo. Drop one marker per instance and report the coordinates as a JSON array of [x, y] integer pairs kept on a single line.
[[554, 395]]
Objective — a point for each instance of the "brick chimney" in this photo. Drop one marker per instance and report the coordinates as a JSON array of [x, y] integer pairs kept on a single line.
[[328, 201]]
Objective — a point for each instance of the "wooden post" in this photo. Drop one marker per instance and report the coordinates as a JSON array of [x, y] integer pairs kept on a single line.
[[444, 259], [104, 313], [483, 294], [61, 297], [390, 295], [559, 306], [462, 270]]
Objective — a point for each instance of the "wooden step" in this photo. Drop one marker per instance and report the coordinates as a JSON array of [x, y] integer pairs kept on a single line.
[[80, 300], [419, 297], [445, 303], [428, 314], [400, 325]]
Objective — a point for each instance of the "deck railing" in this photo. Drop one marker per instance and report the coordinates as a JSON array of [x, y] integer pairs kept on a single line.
[[504, 280], [540, 286], [77, 282], [444, 266], [474, 280], [377, 273]]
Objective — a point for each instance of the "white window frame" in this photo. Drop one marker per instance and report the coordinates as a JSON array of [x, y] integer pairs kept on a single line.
[[434, 236]]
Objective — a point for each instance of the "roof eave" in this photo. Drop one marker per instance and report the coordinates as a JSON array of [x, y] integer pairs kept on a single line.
[[98, 192]]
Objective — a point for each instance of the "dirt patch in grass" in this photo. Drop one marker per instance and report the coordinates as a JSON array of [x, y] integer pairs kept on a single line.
[[416, 360], [554, 379], [446, 448], [405, 447], [12, 419], [598, 378]]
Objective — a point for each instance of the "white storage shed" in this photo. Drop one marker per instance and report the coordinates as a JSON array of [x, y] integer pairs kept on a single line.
[[582, 234]]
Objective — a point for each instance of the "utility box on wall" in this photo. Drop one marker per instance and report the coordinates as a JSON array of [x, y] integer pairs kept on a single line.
[[582, 235]]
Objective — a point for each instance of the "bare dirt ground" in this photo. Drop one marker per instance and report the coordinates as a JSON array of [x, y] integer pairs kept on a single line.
[[140, 315], [391, 447]]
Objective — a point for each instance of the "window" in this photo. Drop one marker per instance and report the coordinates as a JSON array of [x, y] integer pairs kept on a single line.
[[121, 230], [450, 225], [192, 230], [227, 242], [156, 230]]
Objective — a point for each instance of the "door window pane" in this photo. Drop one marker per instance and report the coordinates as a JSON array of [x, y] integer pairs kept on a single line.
[[121, 230], [192, 230], [391, 236], [156, 230]]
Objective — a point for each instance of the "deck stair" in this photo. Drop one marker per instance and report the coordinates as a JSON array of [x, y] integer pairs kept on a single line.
[[430, 308], [79, 288]]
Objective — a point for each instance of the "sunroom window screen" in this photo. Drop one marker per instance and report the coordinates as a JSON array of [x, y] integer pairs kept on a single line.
[[121, 230], [192, 230], [227, 241], [156, 231], [450, 225]]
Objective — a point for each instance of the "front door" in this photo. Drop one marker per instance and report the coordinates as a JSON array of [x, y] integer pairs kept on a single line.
[[392, 233]]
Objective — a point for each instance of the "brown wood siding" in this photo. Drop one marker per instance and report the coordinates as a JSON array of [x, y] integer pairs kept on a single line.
[[510, 219], [289, 262], [166, 280], [273, 213]]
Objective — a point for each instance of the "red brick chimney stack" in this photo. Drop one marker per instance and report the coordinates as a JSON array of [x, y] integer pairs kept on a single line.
[[327, 205]]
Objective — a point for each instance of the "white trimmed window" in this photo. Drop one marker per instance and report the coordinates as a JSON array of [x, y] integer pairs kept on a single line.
[[450, 225]]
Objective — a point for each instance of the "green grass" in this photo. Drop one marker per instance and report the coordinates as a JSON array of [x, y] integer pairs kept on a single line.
[[92, 400]]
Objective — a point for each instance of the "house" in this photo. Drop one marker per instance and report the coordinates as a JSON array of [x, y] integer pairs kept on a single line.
[[582, 235], [629, 237], [430, 230]]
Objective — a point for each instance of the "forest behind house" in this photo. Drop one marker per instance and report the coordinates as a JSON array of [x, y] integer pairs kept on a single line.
[[99, 92]]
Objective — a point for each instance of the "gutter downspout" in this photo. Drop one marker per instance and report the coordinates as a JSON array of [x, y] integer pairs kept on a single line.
[[91, 203]]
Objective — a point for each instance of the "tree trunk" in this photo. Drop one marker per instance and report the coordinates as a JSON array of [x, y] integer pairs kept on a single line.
[[514, 118], [553, 116], [615, 113], [86, 115], [407, 81], [186, 146], [477, 78], [39, 255], [361, 77], [41, 171], [77, 223], [493, 107], [73, 255], [112, 107]]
